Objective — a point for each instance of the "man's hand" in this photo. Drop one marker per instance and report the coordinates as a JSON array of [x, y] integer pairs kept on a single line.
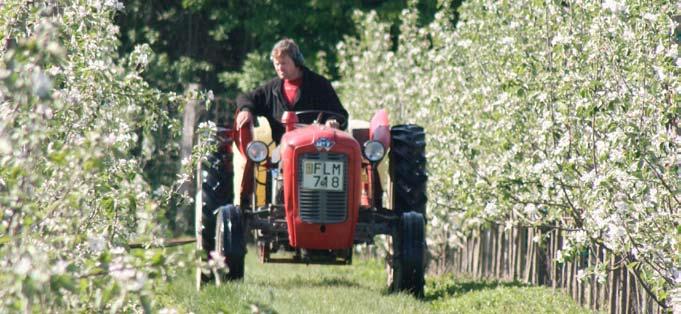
[[332, 123], [243, 118]]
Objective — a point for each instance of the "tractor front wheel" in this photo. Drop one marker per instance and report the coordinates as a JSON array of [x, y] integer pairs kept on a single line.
[[406, 266], [230, 242]]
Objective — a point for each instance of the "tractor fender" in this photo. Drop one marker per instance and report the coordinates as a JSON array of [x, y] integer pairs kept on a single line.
[[379, 128]]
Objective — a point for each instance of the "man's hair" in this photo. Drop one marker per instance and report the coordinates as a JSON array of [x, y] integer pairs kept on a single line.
[[288, 47]]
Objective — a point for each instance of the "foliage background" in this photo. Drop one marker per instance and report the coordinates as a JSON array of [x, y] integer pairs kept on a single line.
[[225, 45], [540, 113]]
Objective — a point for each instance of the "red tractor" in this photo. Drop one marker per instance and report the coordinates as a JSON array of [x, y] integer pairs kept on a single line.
[[321, 193]]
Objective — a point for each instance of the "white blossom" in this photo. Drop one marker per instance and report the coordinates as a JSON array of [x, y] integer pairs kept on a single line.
[[560, 39], [186, 160], [116, 5], [216, 260], [41, 84], [23, 266], [629, 35], [601, 275], [507, 41], [582, 275], [650, 16], [96, 243], [465, 43], [491, 209], [615, 234], [54, 70], [580, 237], [614, 6], [5, 146], [59, 267], [140, 55], [531, 210]]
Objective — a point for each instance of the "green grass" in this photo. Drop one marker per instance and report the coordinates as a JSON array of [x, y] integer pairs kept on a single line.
[[449, 295], [360, 288]]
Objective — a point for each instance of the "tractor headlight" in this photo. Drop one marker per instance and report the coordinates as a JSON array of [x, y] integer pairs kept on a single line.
[[256, 151], [374, 151]]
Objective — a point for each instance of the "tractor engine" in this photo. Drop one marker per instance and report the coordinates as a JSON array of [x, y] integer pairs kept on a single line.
[[322, 193]]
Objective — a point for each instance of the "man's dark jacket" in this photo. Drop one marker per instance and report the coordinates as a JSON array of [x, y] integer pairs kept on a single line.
[[315, 93]]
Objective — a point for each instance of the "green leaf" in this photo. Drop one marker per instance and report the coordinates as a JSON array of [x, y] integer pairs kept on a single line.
[[62, 282], [158, 259], [58, 157], [106, 257], [107, 204]]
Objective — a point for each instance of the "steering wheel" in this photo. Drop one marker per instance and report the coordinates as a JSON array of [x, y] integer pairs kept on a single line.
[[319, 114]]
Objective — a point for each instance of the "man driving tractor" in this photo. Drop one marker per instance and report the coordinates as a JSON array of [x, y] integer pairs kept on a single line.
[[296, 88]]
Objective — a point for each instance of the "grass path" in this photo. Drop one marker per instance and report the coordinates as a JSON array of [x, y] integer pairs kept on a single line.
[[360, 288]]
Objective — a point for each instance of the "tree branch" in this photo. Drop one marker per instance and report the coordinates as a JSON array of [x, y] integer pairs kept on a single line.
[[664, 183]]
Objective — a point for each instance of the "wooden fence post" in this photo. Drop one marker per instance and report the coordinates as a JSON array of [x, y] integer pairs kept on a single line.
[[590, 283], [529, 257], [520, 254], [543, 264], [188, 121], [476, 255], [486, 256], [513, 255], [612, 295], [627, 291], [494, 237], [500, 252], [554, 262], [469, 252]]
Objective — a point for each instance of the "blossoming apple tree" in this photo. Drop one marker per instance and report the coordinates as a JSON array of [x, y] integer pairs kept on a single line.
[[542, 113]]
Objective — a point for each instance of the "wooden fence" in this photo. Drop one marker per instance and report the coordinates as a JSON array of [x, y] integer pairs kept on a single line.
[[513, 254]]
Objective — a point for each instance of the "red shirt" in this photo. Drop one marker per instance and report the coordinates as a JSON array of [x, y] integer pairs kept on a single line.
[[291, 88]]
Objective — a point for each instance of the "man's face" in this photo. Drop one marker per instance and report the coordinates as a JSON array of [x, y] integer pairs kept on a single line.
[[285, 68]]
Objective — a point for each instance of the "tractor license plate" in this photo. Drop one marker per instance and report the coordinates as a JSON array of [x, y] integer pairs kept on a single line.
[[323, 175]]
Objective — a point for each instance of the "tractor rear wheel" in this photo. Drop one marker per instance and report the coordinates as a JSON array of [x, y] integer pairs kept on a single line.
[[406, 268], [408, 169], [230, 242], [216, 191]]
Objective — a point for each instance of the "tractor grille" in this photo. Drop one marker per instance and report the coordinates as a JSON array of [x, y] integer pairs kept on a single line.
[[322, 207]]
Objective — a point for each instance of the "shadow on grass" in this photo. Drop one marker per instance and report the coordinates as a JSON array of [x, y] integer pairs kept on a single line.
[[458, 287], [302, 281], [259, 307]]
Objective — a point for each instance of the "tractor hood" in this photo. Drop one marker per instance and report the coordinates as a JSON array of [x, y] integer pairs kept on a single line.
[[322, 137], [321, 213]]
